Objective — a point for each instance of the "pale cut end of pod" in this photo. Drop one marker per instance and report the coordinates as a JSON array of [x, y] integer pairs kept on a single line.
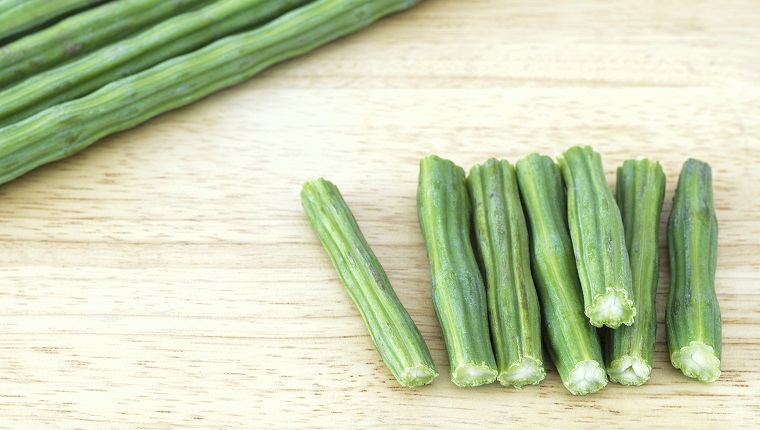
[[612, 309], [527, 371], [586, 377], [473, 375], [697, 360], [417, 376], [629, 370]]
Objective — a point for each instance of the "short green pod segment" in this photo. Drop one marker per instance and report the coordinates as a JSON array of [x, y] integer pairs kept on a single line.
[[502, 241], [692, 316], [596, 229], [395, 335], [571, 340], [459, 295], [629, 350]]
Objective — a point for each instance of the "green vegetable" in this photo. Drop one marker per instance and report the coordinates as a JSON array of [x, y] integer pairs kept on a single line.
[[572, 342], [502, 238], [596, 230], [391, 328], [459, 296], [692, 316], [67, 128], [19, 16], [640, 192], [170, 38], [83, 33]]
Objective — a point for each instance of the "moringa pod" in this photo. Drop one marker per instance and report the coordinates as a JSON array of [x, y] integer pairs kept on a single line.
[[571, 340], [83, 33], [692, 316], [502, 238], [19, 16], [393, 331], [175, 36], [596, 229], [640, 192], [459, 296], [67, 128]]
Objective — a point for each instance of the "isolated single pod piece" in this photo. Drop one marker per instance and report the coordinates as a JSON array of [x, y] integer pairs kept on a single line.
[[395, 335], [640, 192], [67, 128], [572, 342], [596, 229], [82, 33], [692, 316], [459, 296], [502, 237]]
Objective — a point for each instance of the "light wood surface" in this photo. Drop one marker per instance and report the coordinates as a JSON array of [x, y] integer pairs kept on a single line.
[[168, 278]]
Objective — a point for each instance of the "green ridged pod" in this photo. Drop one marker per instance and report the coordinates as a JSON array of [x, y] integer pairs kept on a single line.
[[459, 296], [175, 36], [513, 311], [393, 331], [572, 342], [596, 230], [19, 16], [692, 316], [83, 33], [640, 193], [67, 128]]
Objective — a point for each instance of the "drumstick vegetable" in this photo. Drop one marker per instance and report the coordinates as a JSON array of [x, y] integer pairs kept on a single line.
[[459, 296], [640, 192], [395, 335], [167, 39], [83, 33], [598, 239], [692, 316], [502, 238], [571, 340], [19, 16], [67, 128]]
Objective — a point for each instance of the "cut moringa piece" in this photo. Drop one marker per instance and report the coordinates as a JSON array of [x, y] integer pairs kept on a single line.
[[459, 296], [596, 229], [571, 340], [692, 316], [502, 238], [395, 335], [640, 192]]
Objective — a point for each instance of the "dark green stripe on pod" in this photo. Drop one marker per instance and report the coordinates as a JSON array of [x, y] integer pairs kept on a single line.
[[572, 342], [692, 315], [395, 335], [640, 193], [459, 296], [596, 230], [502, 238], [62, 130]]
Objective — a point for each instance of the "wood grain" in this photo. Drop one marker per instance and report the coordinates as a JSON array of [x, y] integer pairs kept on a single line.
[[167, 277]]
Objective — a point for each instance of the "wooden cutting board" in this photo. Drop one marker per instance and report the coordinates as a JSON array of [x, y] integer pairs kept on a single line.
[[167, 277]]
